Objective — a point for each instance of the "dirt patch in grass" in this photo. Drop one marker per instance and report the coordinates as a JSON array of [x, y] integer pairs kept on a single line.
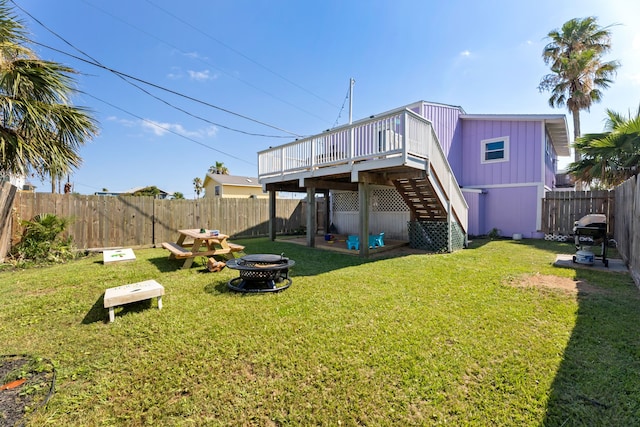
[[26, 383], [555, 282]]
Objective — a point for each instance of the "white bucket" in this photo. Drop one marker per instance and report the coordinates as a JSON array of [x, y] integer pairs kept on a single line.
[[517, 236], [584, 257]]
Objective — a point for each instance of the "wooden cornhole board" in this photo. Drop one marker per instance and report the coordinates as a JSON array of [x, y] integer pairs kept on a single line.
[[116, 255], [133, 292]]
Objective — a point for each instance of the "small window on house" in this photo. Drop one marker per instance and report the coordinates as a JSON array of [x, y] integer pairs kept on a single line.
[[217, 190], [495, 150]]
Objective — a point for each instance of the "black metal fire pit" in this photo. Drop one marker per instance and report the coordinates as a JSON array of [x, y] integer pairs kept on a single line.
[[261, 273]]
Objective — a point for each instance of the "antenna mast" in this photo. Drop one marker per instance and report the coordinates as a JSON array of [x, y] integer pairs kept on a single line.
[[351, 83]]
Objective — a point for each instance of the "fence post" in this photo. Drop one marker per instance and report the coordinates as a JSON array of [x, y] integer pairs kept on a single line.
[[7, 197]]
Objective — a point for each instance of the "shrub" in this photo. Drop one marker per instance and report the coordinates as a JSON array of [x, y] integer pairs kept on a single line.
[[494, 233], [41, 241]]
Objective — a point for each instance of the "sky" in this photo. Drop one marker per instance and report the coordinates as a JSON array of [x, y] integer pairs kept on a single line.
[[177, 86]]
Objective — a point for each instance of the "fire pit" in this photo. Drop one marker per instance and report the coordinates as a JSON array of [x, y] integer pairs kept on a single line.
[[261, 273]]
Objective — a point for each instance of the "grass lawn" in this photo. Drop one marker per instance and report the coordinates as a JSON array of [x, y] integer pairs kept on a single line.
[[469, 338]]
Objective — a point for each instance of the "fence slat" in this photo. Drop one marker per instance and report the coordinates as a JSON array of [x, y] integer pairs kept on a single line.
[[562, 208], [127, 221]]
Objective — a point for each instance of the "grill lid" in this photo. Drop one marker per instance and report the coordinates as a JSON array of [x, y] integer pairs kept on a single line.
[[591, 220]]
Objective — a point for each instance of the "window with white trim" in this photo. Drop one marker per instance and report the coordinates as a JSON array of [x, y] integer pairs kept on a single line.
[[494, 150]]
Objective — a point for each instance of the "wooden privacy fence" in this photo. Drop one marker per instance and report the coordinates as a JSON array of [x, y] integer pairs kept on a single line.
[[627, 229], [127, 221], [560, 209]]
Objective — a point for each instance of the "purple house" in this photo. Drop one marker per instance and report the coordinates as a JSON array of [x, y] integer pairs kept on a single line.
[[427, 173], [504, 164]]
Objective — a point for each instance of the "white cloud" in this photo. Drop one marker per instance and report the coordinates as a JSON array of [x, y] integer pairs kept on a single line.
[[194, 55], [161, 129], [465, 53], [201, 76], [124, 122]]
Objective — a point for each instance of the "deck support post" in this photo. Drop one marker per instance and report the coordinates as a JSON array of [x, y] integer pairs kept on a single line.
[[327, 212], [364, 190], [449, 215], [311, 217], [272, 215]]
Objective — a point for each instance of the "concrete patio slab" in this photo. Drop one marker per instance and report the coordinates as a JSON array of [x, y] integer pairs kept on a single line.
[[615, 265]]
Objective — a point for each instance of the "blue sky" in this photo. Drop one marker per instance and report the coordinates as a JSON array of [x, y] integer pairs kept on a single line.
[[288, 64]]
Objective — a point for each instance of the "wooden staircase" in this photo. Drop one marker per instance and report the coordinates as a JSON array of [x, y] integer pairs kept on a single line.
[[420, 197]]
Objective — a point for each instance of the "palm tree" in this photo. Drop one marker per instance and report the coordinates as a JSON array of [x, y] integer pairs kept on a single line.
[[578, 73], [40, 130], [197, 186], [219, 169], [610, 157]]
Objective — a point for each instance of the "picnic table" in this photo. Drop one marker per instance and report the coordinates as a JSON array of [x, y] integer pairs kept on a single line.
[[205, 244]]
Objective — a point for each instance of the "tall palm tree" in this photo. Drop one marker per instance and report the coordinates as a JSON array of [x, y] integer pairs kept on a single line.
[[197, 186], [219, 168], [610, 157], [40, 130], [578, 73]]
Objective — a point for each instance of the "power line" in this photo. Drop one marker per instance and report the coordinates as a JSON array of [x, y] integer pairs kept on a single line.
[[121, 74], [208, 63], [240, 53], [169, 130], [343, 104], [146, 91], [171, 91]]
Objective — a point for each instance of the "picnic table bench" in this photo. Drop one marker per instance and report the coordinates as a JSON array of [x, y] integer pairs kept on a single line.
[[213, 245]]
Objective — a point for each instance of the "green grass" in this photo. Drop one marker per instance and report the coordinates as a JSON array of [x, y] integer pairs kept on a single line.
[[411, 340]]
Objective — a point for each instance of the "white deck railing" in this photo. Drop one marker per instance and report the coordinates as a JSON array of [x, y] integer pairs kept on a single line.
[[397, 134]]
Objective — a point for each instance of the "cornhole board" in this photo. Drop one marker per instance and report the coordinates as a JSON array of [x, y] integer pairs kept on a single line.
[[132, 292], [116, 255]]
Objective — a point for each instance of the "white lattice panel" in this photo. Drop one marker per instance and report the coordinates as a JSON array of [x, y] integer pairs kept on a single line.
[[345, 201], [387, 199], [388, 213]]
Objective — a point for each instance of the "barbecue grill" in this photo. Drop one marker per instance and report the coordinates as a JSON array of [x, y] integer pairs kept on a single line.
[[590, 230], [261, 273]]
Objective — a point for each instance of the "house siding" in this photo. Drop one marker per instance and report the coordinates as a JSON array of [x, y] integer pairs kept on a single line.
[[512, 210], [231, 191], [476, 202], [525, 153], [446, 125]]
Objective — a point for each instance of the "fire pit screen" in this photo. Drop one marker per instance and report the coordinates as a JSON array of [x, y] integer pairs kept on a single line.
[[261, 273]]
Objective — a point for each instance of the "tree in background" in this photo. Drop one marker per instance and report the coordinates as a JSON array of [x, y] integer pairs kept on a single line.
[[578, 73], [40, 130], [611, 157], [178, 195], [147, 191], [197, 186], [219, 169]]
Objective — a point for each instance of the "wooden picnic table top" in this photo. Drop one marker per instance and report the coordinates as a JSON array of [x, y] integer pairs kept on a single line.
[[196, 234]]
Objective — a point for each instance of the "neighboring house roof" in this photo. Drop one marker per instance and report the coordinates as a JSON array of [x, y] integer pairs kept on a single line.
[[134, 189], [233, 180], [130, 191], [556, 126]]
